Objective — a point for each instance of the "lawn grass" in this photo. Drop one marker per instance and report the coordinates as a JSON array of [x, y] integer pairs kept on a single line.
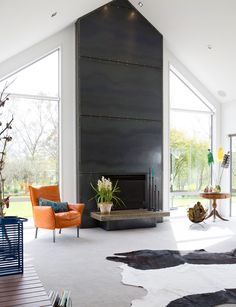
[[21, 209], [188, 201]]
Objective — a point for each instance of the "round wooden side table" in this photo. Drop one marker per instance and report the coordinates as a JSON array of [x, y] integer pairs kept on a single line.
[[214, 196]]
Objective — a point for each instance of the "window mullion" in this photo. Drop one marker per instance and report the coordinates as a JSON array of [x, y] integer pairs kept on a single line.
[[35, 97]]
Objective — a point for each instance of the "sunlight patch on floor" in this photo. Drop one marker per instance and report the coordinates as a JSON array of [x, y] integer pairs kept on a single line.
[[195, 236]]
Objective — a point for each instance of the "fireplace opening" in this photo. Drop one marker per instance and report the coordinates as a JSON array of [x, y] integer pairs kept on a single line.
[[133, 190]]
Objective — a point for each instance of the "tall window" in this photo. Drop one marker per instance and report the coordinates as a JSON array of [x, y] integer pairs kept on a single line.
[[32, 155], [190, 137]]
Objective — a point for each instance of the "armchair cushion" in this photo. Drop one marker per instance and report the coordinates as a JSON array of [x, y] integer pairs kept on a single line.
[[56, 205], [67, 219]]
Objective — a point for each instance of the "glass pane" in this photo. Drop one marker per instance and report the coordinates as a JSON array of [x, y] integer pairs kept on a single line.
[[193, 125], [190, 139], [32, 155], [181, 97], [183, 202], [40, 78]]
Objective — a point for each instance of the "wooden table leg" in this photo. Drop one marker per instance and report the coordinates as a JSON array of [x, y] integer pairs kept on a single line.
[[219, 216], [215, 213], [209, 215]]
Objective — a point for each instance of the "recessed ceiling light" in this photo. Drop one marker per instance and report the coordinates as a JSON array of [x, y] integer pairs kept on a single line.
[[54, 14], [132, 15], [140, 4], [221, 93]]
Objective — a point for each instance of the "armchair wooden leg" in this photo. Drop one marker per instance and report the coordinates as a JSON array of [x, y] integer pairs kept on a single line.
[[60, 231], [54, 236], [36, 232], [77, 231]]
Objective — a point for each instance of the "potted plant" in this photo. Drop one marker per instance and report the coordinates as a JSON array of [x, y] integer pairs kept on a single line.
[[106, 194]]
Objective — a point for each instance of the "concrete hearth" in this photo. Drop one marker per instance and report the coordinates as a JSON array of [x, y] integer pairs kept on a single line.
[[126, 219]]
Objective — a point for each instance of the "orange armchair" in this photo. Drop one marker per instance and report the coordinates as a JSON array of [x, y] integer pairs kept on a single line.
[[45, 217]]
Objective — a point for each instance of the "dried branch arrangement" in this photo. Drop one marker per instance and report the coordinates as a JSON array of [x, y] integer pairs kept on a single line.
[[5, 138]]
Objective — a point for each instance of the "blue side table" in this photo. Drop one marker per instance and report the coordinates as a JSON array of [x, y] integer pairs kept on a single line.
[[11, 245]]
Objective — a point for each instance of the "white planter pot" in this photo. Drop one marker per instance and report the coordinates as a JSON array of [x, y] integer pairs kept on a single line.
[[105, 208]]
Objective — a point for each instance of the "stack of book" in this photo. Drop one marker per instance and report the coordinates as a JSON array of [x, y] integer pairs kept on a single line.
[[62, 299]]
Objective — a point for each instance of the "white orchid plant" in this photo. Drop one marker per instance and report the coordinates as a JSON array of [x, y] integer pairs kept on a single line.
[[106, 192]]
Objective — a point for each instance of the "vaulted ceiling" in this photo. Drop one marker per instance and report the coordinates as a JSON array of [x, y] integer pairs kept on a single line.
[[200, 33]]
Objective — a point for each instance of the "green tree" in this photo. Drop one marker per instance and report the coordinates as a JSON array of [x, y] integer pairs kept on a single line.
[[189, 169]]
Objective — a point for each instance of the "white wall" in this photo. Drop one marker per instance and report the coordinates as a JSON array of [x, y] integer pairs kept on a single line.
[[170, 59], [65, 40], [228, 122]]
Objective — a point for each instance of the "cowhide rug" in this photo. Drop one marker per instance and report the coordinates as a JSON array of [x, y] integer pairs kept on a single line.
[[179, 278]]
